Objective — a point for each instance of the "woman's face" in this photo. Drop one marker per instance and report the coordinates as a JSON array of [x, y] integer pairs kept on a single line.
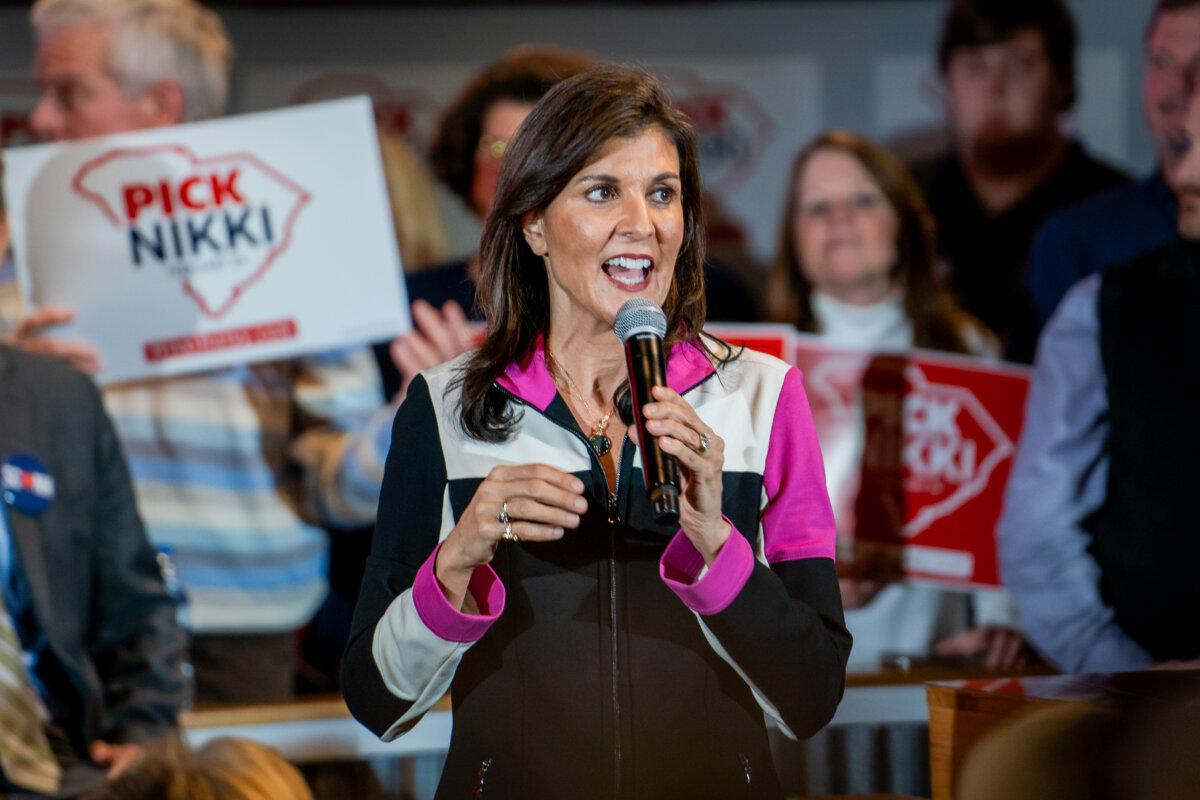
[[500, 124], [614, 232], [845, 228]]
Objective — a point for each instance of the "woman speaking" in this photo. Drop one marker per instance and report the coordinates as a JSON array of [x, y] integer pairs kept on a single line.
[[589, 652]]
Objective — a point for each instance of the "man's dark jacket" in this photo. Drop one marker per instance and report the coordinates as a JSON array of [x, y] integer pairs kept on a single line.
[[112, 654]]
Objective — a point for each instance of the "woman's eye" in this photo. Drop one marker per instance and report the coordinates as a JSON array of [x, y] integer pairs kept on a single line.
[[663, 195], [602, 192], [816, 209], [866, 200]]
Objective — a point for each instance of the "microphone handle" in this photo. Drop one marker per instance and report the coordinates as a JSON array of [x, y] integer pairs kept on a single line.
[[647, 369]]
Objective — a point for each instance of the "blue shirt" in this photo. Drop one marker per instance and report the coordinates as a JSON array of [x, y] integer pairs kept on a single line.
[[1108, 229], [19, 602], [1059, 479]]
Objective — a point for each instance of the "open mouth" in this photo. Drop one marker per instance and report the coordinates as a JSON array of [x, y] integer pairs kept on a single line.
[[629, 273]]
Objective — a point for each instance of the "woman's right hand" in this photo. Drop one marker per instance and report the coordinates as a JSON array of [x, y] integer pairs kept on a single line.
[[541, 502]]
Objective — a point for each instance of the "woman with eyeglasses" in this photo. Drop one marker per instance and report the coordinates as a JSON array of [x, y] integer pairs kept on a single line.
[[466, 154]]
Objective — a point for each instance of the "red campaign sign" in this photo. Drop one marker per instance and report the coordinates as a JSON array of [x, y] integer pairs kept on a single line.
[[771, 345], [917, 447]]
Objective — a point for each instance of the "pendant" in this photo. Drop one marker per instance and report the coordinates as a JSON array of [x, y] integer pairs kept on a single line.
[[600, 443]]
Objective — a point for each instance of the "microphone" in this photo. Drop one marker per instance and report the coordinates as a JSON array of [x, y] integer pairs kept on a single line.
[[641, 325]]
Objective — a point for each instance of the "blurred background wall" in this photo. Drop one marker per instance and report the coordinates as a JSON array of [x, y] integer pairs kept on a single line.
[[760, 78]]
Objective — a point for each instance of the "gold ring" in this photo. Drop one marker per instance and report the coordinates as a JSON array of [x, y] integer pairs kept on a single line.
[[703, 448], [508, 534], [503, 516]]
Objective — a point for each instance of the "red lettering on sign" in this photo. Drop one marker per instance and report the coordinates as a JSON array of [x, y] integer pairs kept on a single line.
[[189, 194], [185, 194], [220, 190], [137, 197], [219, 340], [164, 192]]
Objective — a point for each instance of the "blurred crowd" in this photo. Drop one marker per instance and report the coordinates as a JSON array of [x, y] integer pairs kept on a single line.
[[257, 484]]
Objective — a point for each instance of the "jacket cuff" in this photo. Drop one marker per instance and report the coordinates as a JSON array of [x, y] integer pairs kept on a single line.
[[446, 621], [681, 566]]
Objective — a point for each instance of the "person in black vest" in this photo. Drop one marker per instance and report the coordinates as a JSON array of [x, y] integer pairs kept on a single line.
[[1098, 539], [1008, 69]]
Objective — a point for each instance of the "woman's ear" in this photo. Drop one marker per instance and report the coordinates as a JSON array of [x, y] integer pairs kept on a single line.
[[532, 228]]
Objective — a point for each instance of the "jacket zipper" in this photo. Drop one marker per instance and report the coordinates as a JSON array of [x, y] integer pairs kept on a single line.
[[481, 777], [614, 519]]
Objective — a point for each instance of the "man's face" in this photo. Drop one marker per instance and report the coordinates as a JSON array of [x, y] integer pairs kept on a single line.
[[1186, 176], [1002, 92], [79, 96], [1172, 61]]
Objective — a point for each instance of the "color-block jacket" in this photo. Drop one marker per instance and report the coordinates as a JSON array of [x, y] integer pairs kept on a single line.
[[609, 663]]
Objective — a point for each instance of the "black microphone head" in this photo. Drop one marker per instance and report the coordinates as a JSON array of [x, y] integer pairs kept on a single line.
[[640, 315]]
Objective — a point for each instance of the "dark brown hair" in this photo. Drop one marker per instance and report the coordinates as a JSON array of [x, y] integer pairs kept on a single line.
[[936, 320], [524, 75], [974, 23], [560, 137]]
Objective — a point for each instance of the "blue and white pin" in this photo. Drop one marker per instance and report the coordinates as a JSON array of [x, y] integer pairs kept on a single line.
[[28, 486]]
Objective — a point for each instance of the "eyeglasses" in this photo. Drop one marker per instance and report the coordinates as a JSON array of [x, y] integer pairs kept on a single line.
[[493, 146]]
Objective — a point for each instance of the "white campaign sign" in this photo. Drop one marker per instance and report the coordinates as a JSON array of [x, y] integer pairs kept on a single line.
[[213, 243]]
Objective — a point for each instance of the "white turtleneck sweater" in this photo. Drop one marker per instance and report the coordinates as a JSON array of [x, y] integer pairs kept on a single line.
[[880, 326], [903, 617]]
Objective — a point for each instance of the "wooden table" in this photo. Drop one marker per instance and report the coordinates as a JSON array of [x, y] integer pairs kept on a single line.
[[321, 729], [311, 730], [962, 712]]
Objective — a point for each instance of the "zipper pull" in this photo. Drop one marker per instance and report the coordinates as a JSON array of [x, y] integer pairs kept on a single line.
[[613, 519], [746, 768]]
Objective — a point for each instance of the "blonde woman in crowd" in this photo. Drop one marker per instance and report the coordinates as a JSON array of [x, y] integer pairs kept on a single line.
[[228, 768]]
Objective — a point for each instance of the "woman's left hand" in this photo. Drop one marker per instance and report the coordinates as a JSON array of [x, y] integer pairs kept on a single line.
[[700, 454]]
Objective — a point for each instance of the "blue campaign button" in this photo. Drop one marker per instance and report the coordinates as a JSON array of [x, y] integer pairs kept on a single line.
[[28, 486]]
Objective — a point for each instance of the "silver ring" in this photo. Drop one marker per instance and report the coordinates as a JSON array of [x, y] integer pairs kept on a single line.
[[703, 448], [503, 518], [508, 534]]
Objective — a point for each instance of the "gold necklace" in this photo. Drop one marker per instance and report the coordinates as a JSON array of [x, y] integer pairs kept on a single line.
[[599, 441]]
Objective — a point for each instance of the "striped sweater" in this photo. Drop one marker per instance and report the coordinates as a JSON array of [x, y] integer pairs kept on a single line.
[[234, 470]]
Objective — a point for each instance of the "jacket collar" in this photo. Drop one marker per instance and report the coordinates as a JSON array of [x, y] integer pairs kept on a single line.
[[529, 379]]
